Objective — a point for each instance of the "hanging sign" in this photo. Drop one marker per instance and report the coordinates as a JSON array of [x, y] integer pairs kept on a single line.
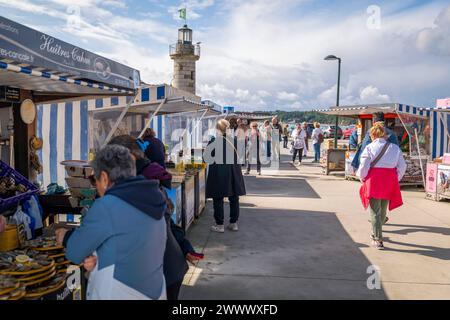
[[9, 94]]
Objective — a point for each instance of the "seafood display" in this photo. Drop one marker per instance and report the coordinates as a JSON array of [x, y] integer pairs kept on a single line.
[[43, 244], [33, 272], [24, 262], [9, 187]]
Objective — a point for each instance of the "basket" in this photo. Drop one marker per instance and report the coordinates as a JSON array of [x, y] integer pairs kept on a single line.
[[9, 239], [7, 171]]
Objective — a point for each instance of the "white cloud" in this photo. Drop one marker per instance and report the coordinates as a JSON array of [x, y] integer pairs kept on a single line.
[[436, 39], [370, 94], [262, 54], [283, 95]]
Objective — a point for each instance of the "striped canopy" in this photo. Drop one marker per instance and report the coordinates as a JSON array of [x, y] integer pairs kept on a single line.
[[46, 82], [373, 108]]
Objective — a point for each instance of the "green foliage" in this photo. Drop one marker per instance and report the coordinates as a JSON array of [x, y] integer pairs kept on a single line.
[[311, 116]]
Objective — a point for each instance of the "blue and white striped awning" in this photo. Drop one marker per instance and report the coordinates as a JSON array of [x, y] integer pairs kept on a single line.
[[440, 131], [370, 109], [50, 81]]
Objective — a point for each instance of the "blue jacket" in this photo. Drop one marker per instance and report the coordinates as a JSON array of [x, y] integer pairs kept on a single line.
[[127, 231], [353, 141], [392, 138]]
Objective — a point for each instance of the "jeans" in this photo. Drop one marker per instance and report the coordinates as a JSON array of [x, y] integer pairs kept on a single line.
[[316, 151], [378, 211], [300, 154], [219, 212]]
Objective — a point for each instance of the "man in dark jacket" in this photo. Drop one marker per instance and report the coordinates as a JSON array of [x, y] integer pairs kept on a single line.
[[392, 138]]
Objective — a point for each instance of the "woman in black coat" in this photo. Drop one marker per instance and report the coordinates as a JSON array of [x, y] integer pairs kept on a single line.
[[224, 177]]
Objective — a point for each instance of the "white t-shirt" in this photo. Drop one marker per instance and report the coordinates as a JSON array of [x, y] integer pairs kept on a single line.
[[315, 135], [393, 158], [299, 138]]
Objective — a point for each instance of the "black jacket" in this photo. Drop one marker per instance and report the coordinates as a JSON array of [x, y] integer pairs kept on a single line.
[[155, 152], [224, 178], [175, 265]]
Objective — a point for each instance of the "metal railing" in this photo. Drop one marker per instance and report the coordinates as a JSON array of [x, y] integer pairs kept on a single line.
[[173, 50]]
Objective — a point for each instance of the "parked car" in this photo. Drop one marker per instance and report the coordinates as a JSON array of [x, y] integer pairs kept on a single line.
[[347, 132], [328, 132]]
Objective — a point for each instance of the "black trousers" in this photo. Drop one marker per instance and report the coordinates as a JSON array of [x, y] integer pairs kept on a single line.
[[219, 212], [258, 166], [174, 290], [300, 154], [285, 142]]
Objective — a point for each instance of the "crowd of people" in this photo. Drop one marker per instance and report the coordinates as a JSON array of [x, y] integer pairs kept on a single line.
[[130, 246], [127, 240]]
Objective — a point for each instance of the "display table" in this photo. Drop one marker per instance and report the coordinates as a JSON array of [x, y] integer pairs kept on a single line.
[[188, 202], [334, 160], [57, 204], [200, 192], [437, 186], [350, 172]]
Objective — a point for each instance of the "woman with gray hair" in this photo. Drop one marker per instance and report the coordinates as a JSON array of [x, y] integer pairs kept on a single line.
[[125, 229]]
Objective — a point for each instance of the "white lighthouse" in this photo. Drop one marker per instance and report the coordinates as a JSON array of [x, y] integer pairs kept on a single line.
[[185, 55]]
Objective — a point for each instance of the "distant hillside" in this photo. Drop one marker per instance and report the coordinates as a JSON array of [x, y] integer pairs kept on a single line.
[[310, 116]]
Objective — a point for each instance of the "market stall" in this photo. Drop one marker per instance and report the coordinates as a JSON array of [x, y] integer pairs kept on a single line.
[[438, 169], [410, 124], [180, 131], [37, 68]]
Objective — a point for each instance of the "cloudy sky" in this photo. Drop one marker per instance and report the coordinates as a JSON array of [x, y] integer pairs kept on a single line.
[[268, 54]]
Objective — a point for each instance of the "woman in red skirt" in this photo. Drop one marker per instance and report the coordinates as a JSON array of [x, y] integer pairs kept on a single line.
[[382, 167]]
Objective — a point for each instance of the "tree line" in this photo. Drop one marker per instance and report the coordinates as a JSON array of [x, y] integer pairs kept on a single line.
[[311, 117]]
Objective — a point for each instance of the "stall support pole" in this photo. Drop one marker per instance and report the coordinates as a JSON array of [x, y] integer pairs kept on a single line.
[[119, 120], [147, 124], [420, 157], [337, 104]]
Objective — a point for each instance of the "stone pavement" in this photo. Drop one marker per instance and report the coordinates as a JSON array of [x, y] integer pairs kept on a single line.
[[304, 235]]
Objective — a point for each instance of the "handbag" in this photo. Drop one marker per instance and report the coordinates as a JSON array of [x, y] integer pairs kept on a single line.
[[380, 155]]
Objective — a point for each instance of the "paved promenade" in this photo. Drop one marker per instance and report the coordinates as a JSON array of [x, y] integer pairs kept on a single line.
[[304, 235]]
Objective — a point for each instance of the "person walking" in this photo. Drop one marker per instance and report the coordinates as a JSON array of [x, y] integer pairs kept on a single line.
[[317, 140], [299, 143], [268, 139], [254, 149], [285, 136], [224, 177], [277, 132], [382, 167], [125, 228], [307, 137]]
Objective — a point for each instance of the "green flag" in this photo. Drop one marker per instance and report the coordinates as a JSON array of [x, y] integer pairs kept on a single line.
[[182, 13]]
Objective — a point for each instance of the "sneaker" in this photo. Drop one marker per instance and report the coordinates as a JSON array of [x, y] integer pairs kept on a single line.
[[233, 227], [246, 173], [218, 228], [377, 244], [259, 173]]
